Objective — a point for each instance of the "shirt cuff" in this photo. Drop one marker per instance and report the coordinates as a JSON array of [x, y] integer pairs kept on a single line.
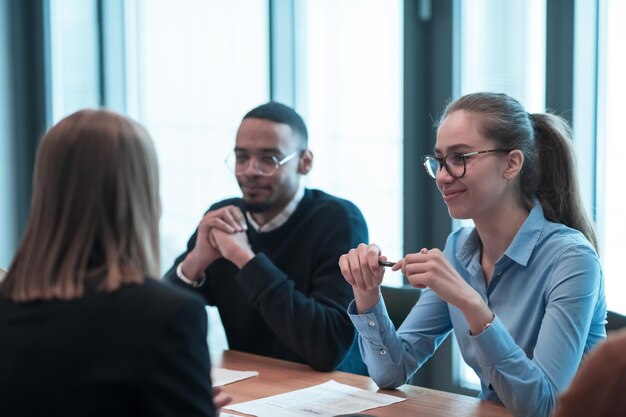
[[372, 322], [494, 344], [183, 278]]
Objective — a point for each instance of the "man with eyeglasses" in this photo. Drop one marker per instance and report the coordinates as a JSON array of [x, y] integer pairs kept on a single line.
[[268, 260]]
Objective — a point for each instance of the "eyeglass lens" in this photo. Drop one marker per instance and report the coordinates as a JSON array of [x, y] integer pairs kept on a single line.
[[263, 164], [454, 163]]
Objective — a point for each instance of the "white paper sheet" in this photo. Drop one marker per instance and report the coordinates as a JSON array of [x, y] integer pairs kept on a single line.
[[223, 376], [324, 400]]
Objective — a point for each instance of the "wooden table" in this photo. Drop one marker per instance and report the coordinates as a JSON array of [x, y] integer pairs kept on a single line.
[[277, 377]]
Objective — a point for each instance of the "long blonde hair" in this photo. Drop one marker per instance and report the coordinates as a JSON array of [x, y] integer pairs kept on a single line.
[[94, 212]]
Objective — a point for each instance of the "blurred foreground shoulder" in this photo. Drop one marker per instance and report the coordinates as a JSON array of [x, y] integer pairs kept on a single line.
[[598, 388]]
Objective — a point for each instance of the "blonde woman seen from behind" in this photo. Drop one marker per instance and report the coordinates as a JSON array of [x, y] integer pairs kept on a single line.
[[86, 330]]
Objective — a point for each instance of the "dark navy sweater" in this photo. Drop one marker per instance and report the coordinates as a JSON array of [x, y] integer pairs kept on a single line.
[[289, 301]]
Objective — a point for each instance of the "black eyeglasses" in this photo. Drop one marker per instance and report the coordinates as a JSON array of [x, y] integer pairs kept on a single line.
[[454, 162]]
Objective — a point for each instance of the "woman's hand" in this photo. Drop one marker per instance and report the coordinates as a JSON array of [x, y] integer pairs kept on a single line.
[[360, 268], [430, 268]]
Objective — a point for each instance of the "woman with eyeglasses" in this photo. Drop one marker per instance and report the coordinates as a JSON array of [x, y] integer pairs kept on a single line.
[[85, 328], [523, 290]]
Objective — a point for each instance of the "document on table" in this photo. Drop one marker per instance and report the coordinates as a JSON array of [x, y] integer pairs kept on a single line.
[[324, 400], [223, 376]]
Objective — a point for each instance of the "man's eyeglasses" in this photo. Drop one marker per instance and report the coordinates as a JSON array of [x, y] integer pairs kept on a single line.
[[454, 162], [265, 165]]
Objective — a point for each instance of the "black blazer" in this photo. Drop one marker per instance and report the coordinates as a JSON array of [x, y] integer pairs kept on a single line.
[[138, 351]]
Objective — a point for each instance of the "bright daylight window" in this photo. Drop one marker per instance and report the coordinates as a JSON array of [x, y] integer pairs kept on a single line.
[[502, 50], [610, 185], [74, 56], [350, 89], [194, 69]]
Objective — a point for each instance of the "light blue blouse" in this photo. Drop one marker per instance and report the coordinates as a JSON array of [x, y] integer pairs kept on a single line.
[[547, 293]]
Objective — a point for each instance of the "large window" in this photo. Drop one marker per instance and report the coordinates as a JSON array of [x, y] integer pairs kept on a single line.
[[502, 49], [194, 69], [191, 69], [350, 81], [74, 61], [611, 215]]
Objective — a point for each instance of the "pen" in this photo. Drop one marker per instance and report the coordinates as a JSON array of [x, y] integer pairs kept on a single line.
[[386, 263]]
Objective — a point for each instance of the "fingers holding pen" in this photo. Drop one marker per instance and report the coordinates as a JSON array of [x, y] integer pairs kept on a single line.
[[383, 261], [399, 265], [350, 266], [364, 266], [423, 267], [360, 267], [404, 264], [426, 268]]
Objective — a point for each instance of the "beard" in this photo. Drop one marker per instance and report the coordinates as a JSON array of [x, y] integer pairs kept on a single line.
[[260, 207]]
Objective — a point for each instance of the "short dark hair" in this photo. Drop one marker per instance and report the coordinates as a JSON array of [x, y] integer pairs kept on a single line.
[[280, 113]]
